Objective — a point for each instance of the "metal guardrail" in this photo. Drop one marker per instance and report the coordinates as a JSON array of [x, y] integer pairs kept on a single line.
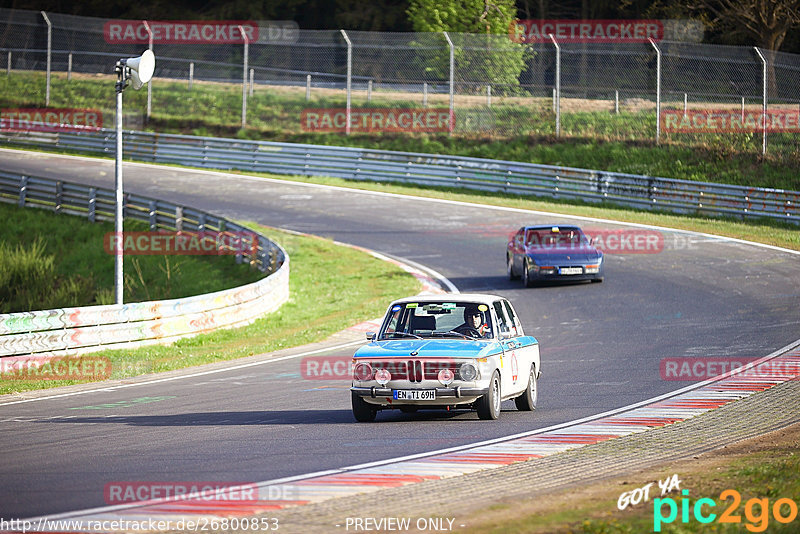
[[68, 331], [646, 192]]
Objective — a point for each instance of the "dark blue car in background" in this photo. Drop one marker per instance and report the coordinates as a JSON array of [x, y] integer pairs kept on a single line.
[[547, 252]]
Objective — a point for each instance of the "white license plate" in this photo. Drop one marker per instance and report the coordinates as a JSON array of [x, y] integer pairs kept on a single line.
[[414, 394], [571, 270]]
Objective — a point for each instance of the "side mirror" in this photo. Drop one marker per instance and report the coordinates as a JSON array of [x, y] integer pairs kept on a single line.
[[371, 336], [505, 333]]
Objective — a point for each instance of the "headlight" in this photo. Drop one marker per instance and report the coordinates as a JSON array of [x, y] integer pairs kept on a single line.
[[362, 371], [446, 377], [468, 372], [382, 376]]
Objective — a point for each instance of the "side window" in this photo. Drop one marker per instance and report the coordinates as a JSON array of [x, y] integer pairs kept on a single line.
[[518, 238], [513, 318], [502, 323]]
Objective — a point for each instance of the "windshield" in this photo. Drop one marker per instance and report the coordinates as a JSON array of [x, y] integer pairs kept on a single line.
[[421, 320], [556, 238]]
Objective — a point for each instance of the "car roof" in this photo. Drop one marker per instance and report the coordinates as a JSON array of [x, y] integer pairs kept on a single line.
[[480, 298], [550, 226]]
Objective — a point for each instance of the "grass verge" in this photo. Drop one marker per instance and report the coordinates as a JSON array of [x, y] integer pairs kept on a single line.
[[517, 129], [59, 261], [767, 467], [318, 306]]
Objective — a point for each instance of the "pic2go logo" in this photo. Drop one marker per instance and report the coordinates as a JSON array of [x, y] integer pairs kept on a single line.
[[756, 511]]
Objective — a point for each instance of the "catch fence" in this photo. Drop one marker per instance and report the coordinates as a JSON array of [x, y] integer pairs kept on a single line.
[[489, 84]]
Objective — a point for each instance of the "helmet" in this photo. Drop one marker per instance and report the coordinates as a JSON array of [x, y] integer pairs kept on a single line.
[[471, 310]]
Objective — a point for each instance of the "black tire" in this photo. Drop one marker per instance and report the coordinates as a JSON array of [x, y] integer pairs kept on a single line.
[[596, 280], [409, 409], [488, 406], [526, 277], [510, 268], [527, 401], [362, 410]]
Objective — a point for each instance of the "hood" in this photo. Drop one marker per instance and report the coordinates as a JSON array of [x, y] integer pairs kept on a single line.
[[564, 254], [429, 348]]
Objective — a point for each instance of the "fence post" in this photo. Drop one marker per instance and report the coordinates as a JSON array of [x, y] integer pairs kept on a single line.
[[23, 191], [425, 94], [369, 91], [558, 86], [191, 74], [59, 196], [764, 101], [452, 76], [685, 103], [8, 68], [349, 79], [616, 101], [658, 90], [149, 85], [308, 87], [252, 80], [69, 67], [49, 56], [92, 203], [742, 109], [244, 75], [489, 96]]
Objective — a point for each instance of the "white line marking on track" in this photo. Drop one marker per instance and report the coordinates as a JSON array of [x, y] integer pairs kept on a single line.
[[192, 375]]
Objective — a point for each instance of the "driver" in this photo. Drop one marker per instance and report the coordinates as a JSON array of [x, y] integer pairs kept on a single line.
[[473, 321]]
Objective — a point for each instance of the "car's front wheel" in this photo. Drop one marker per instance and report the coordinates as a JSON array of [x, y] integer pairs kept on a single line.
[[526, 276], [510, 267], [527, 401], [489, 405], [363, 411]]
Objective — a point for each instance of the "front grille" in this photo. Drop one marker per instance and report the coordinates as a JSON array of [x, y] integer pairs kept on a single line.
[[432, 369], [415, 373]]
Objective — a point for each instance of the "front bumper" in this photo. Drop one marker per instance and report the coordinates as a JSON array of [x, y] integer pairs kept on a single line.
[[457, 392], [538, 274]]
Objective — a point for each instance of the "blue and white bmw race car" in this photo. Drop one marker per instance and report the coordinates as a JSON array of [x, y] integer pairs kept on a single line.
[[446, 351]]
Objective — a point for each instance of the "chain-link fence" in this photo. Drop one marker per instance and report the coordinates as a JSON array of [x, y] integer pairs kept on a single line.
[[368, 82]]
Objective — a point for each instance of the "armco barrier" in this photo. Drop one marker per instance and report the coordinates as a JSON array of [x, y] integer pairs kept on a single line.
[[74, 330], [679, 196]]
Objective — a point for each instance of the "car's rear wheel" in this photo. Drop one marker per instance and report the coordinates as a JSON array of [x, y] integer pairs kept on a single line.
[[489, 405], [409, 409], [526, 276], [527, 401], [363, 411], [597, 280], [510, 267]]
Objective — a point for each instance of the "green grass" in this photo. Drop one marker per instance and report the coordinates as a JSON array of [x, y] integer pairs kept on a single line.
[[317, 308], [519, 131], [59, 261]]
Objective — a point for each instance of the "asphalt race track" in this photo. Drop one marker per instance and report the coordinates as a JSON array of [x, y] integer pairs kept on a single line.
[[601, 344]]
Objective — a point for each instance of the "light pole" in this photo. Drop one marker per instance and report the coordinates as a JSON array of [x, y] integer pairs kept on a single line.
[[138, 71]]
